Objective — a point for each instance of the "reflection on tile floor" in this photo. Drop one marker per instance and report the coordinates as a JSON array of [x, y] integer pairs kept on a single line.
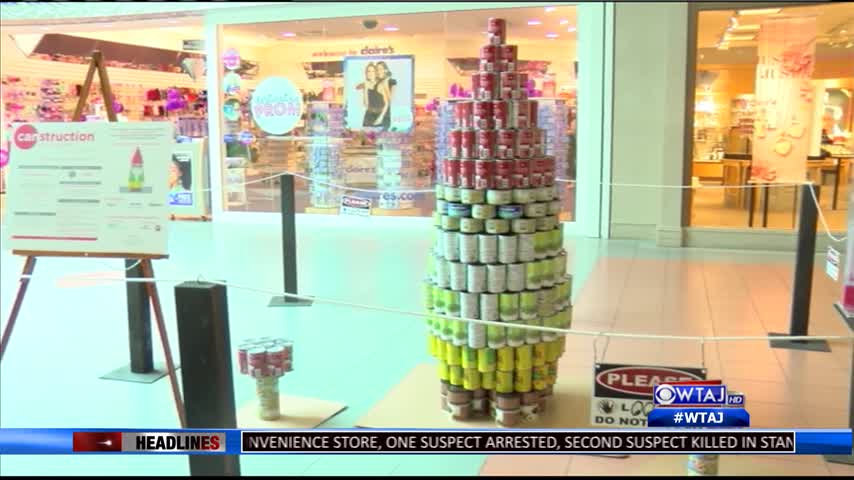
[[356, 356]]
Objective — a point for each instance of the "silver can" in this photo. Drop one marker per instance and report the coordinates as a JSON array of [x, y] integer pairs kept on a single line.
[[554, 207], [477, 335], [489, 307], [507, 248], [526, 247], [487, 248], [470, 305], [468, 248], [443, 273], [536, 210], [451, 245], [515, 277], [541, 244], [458, 276], [476, 279], [496, 278], [542, 194]]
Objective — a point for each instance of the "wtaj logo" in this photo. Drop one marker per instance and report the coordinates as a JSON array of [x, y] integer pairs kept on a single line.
[[706, 393]]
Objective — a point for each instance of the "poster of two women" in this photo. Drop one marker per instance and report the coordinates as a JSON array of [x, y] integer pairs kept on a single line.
[[379, 92]]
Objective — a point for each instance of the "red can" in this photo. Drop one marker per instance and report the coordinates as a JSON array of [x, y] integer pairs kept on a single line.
[[489, 53], [520, 111], [484, 171], [524, 143], [507, 53], [503, 179], [510, 79], [463, 114], [451, 172], [522, 173], [475, 84], [533, 113], [455, 143], [496, 28], [487, 86], [506, 144], [482, 115], [257, 357], [538, 168], [501, 114], [485, 144], [510, 93], [469, 145], [276, 356], [549, 172], [242, 360], [467, 169]]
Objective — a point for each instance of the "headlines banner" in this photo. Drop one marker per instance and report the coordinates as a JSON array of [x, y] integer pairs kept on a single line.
[[430, 442], [784, 99]]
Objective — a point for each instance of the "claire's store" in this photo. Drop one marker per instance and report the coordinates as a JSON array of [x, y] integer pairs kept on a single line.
[[370, 106]]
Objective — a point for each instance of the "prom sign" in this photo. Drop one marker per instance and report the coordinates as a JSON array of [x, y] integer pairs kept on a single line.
[[276, 105]]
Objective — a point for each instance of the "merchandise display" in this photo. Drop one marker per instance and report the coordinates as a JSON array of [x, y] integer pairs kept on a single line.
[[497, 254], [325, 126], [266, 360], [50, 107]]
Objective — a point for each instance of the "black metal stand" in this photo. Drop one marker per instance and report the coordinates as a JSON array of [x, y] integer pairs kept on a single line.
[[203, 334], [802, 285], [141, 368], [849, 320], [289, 246]]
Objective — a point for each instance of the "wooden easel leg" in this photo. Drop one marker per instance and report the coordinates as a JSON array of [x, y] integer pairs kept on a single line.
[[29, 266], [151, 287]]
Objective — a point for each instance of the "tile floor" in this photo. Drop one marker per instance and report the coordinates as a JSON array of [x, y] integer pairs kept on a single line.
[[356, 356]]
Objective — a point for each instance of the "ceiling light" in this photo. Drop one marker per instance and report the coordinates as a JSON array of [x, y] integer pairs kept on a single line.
[[534, 22], [550, 9], [758, 11], [565, 21], [738, 38], [552, 35], [571, 29], [289, 34], [391, 28]]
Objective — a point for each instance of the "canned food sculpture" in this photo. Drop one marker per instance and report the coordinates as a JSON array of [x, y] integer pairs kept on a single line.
[[497, 253], [266, 360]]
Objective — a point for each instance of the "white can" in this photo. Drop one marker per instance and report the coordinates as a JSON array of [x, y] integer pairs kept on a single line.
[[451, 245], [507, 248], [554, 207], [536, 210], [526, 247], [483, 211], [489, 307], [523, 195], [443, 273], [542, 194], [487, 248], [458, 276], [515, 277], [496, 278], [476, 279], [468, 248], [469, 305], [477, 335]]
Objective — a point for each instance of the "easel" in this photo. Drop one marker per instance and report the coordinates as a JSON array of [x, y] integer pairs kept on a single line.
[[144, 261]]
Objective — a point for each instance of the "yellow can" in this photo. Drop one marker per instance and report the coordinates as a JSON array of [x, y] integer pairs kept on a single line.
[[453, 354], [552, 378], [523, 380], [567, 319], [486, 361], [471, 379], [455, 375], [561, 345], [506, 359], [539, 354], [540, 377], [524, 357], [503, 382], [469, 357], [443, 371], [431, 346], [487, 380]]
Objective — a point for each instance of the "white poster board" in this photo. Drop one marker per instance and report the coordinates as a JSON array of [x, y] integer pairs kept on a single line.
[[87, 187]]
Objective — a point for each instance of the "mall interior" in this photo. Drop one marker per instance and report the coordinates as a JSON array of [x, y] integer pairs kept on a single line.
[[671, 247]]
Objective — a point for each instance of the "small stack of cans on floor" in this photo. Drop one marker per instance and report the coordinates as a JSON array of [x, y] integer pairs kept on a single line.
[[266, 359], [498, 253]]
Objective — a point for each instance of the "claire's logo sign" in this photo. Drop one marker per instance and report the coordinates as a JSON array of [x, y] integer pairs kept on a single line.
[[26, 136], [276, 105]]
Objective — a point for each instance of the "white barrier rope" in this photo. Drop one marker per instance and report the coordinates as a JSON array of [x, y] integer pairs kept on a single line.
[[823, 220], [397, 311]]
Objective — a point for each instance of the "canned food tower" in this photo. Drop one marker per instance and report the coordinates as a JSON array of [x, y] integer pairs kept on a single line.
[[266, 360], [497, 254]]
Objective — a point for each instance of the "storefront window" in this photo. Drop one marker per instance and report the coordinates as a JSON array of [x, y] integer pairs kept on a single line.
[[372, 103], [748, 119]]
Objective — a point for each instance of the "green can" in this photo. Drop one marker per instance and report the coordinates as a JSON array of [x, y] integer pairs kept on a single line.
[[469, 357], [440, 192], [515, 335], [487, 380], [441, 351], [496, 336], [552, 351], [541, 244], [444, 373], [437, 219], [532, 275], [460, 332], [567, 318], [534, 336], [431, 346], [540, 377], [486, 360], [506, 359], [548, 273], [539, 355], [438, 296], [524, 357], [453, 354], [508, 307], [559, 268], [503, 382], [528, 305], [452, 303], [552, 378], [450, 224], [428, 294], [471, 379], [524, 380], [455, 375]]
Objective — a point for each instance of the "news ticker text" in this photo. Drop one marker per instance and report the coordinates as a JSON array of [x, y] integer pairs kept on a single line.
[[370, 441]]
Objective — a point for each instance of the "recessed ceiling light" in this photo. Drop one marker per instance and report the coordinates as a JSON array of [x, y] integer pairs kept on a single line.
[[391, 28], [550, 9], [552, 35], [571, 29], [759, 11], [534, 22], [289, 34], [564, 21]]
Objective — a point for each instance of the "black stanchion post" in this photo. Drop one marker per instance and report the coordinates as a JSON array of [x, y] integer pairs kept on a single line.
[[207, 382], [289, 245], [141, 368], [802, 283]]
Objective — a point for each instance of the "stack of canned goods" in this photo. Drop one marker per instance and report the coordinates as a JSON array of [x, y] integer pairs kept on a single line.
[[498, 257], [266, 360]]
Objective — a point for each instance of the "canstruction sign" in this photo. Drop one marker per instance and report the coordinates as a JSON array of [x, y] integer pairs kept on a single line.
[[276, 105], [622, 394]]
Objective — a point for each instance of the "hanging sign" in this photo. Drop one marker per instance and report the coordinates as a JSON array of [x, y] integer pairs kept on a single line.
[[832, 263], [231, 59], [355, 206], [784, 99], [276, 105], [187, 180]]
